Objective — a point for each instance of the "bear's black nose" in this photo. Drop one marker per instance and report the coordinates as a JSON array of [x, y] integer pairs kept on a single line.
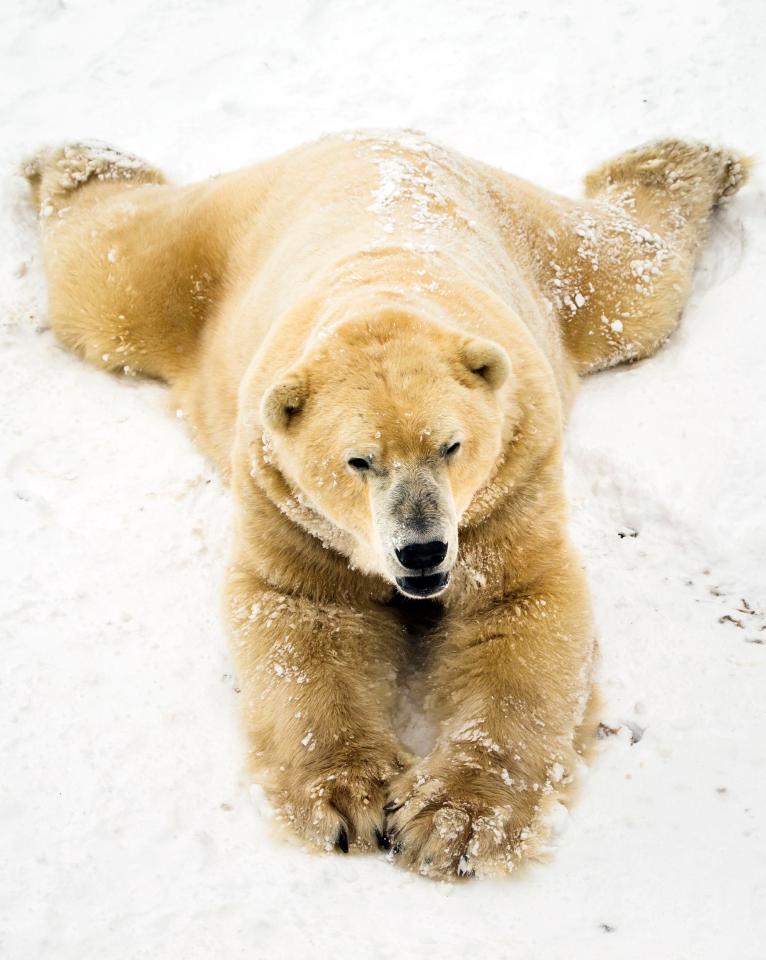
[[422, 556]]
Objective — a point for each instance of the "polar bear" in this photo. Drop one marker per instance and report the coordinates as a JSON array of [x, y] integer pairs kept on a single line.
[[377, 340]]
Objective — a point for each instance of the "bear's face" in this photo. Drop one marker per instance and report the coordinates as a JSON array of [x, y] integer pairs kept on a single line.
[[389, 435]]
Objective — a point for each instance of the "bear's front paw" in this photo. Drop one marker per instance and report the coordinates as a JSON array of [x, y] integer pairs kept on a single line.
[[343, 808], [452, 820]]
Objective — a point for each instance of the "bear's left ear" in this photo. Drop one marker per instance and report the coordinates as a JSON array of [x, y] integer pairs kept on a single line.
[[282, 403], [487, 360]]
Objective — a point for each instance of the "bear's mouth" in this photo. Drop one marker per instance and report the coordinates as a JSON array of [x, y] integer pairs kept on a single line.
[[425, 585]]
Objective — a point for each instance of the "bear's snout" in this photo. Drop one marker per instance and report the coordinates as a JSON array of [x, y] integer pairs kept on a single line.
[[416, 529], [423, 559], [422, 556]]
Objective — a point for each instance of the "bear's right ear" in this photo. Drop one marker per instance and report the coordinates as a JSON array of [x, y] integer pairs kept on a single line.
[[487, 360], [283, 402]]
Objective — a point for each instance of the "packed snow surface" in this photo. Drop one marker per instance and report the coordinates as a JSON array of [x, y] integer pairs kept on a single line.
[[127, 826]]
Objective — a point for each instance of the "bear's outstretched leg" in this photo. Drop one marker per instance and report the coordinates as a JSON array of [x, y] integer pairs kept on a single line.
[[57, 175], [616, 268], [512, 682], [626, 259], [317, 682], [671, 179], [132, 262]]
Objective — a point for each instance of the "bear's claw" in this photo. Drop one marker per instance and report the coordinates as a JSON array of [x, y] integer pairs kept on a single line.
[[342, 841], [384, 842]]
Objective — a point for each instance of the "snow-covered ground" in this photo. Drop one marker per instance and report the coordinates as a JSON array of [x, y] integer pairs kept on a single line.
[[127, 829]]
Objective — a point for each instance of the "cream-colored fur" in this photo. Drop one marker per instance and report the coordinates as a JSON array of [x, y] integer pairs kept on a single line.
[[372, 335]]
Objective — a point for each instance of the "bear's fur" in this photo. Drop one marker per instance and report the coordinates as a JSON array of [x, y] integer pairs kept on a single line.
[[378, 341]]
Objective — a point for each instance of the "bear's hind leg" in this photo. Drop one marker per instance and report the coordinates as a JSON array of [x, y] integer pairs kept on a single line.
[[131, 267], [672, 185], [55, 174], [634, 247]]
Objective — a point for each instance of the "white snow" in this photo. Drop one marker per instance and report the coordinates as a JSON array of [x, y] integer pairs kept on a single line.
[[127, 828]]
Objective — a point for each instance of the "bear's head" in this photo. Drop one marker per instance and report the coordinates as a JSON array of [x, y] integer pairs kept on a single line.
[[388, 428]]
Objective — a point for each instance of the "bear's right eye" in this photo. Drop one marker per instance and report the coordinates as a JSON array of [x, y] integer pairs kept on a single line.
[[358, 463]]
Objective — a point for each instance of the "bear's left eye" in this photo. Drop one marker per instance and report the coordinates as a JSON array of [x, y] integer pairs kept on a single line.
[[451, 450], [358, 463]]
